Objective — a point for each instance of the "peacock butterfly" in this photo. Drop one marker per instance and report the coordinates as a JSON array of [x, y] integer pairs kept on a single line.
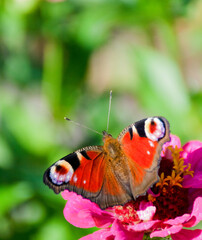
[[117, 172]]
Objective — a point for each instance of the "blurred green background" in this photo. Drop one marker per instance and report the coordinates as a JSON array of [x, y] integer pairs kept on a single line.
[[61, 59]]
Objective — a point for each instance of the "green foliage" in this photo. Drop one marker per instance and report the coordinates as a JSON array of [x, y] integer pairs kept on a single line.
[[62, 59]]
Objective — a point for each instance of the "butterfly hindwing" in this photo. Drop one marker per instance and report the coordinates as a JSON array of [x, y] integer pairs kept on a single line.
[[141, 143]]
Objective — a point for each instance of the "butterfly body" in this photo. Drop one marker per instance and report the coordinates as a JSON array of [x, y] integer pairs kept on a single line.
[[117, 172], [116, 161]]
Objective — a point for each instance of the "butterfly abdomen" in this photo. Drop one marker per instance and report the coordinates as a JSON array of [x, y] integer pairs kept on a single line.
[[116, 161]]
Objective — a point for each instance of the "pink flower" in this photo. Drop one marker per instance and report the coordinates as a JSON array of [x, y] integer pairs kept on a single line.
[[173, 203]]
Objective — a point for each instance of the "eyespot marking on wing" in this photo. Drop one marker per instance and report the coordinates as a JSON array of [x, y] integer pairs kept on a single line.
[[154, 128], [61, 172]]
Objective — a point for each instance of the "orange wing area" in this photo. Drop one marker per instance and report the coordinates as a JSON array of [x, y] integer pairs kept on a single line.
[[89, 175], [142, 151], [142, 156]]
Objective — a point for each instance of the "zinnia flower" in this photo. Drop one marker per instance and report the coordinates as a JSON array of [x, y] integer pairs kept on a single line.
[[172, 204]]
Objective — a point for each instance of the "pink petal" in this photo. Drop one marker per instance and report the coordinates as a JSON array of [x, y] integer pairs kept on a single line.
[[166, 231], [192, 182], [147, 212], [197, 210], [143, 226], [83, 213], [188, 235], [99, 235], [195, 158], [190, 222], [174, 141], [190, 147], [122, 234], [68, 195], [178, 220]]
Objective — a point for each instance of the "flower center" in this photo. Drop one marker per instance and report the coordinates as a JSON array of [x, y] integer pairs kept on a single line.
[[127, 214], [172, 200]]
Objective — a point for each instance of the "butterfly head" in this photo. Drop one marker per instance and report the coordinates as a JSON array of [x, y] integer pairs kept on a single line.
[[106, 134]]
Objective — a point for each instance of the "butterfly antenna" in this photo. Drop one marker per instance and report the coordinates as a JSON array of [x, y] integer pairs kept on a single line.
[[109, 110], [83, 126]]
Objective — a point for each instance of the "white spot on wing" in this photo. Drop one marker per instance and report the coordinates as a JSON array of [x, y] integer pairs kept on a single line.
[[148, 152], [75, 178], [151, 143], [84, 181]]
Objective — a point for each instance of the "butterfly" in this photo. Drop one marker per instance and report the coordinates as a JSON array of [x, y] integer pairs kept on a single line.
[[117, 172]]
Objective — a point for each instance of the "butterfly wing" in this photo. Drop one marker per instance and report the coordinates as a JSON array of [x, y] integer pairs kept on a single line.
[[88, 173], [76, 171], [141, 143]]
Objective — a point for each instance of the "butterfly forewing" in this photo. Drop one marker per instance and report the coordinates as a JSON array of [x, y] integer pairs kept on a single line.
[[75, 171]]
